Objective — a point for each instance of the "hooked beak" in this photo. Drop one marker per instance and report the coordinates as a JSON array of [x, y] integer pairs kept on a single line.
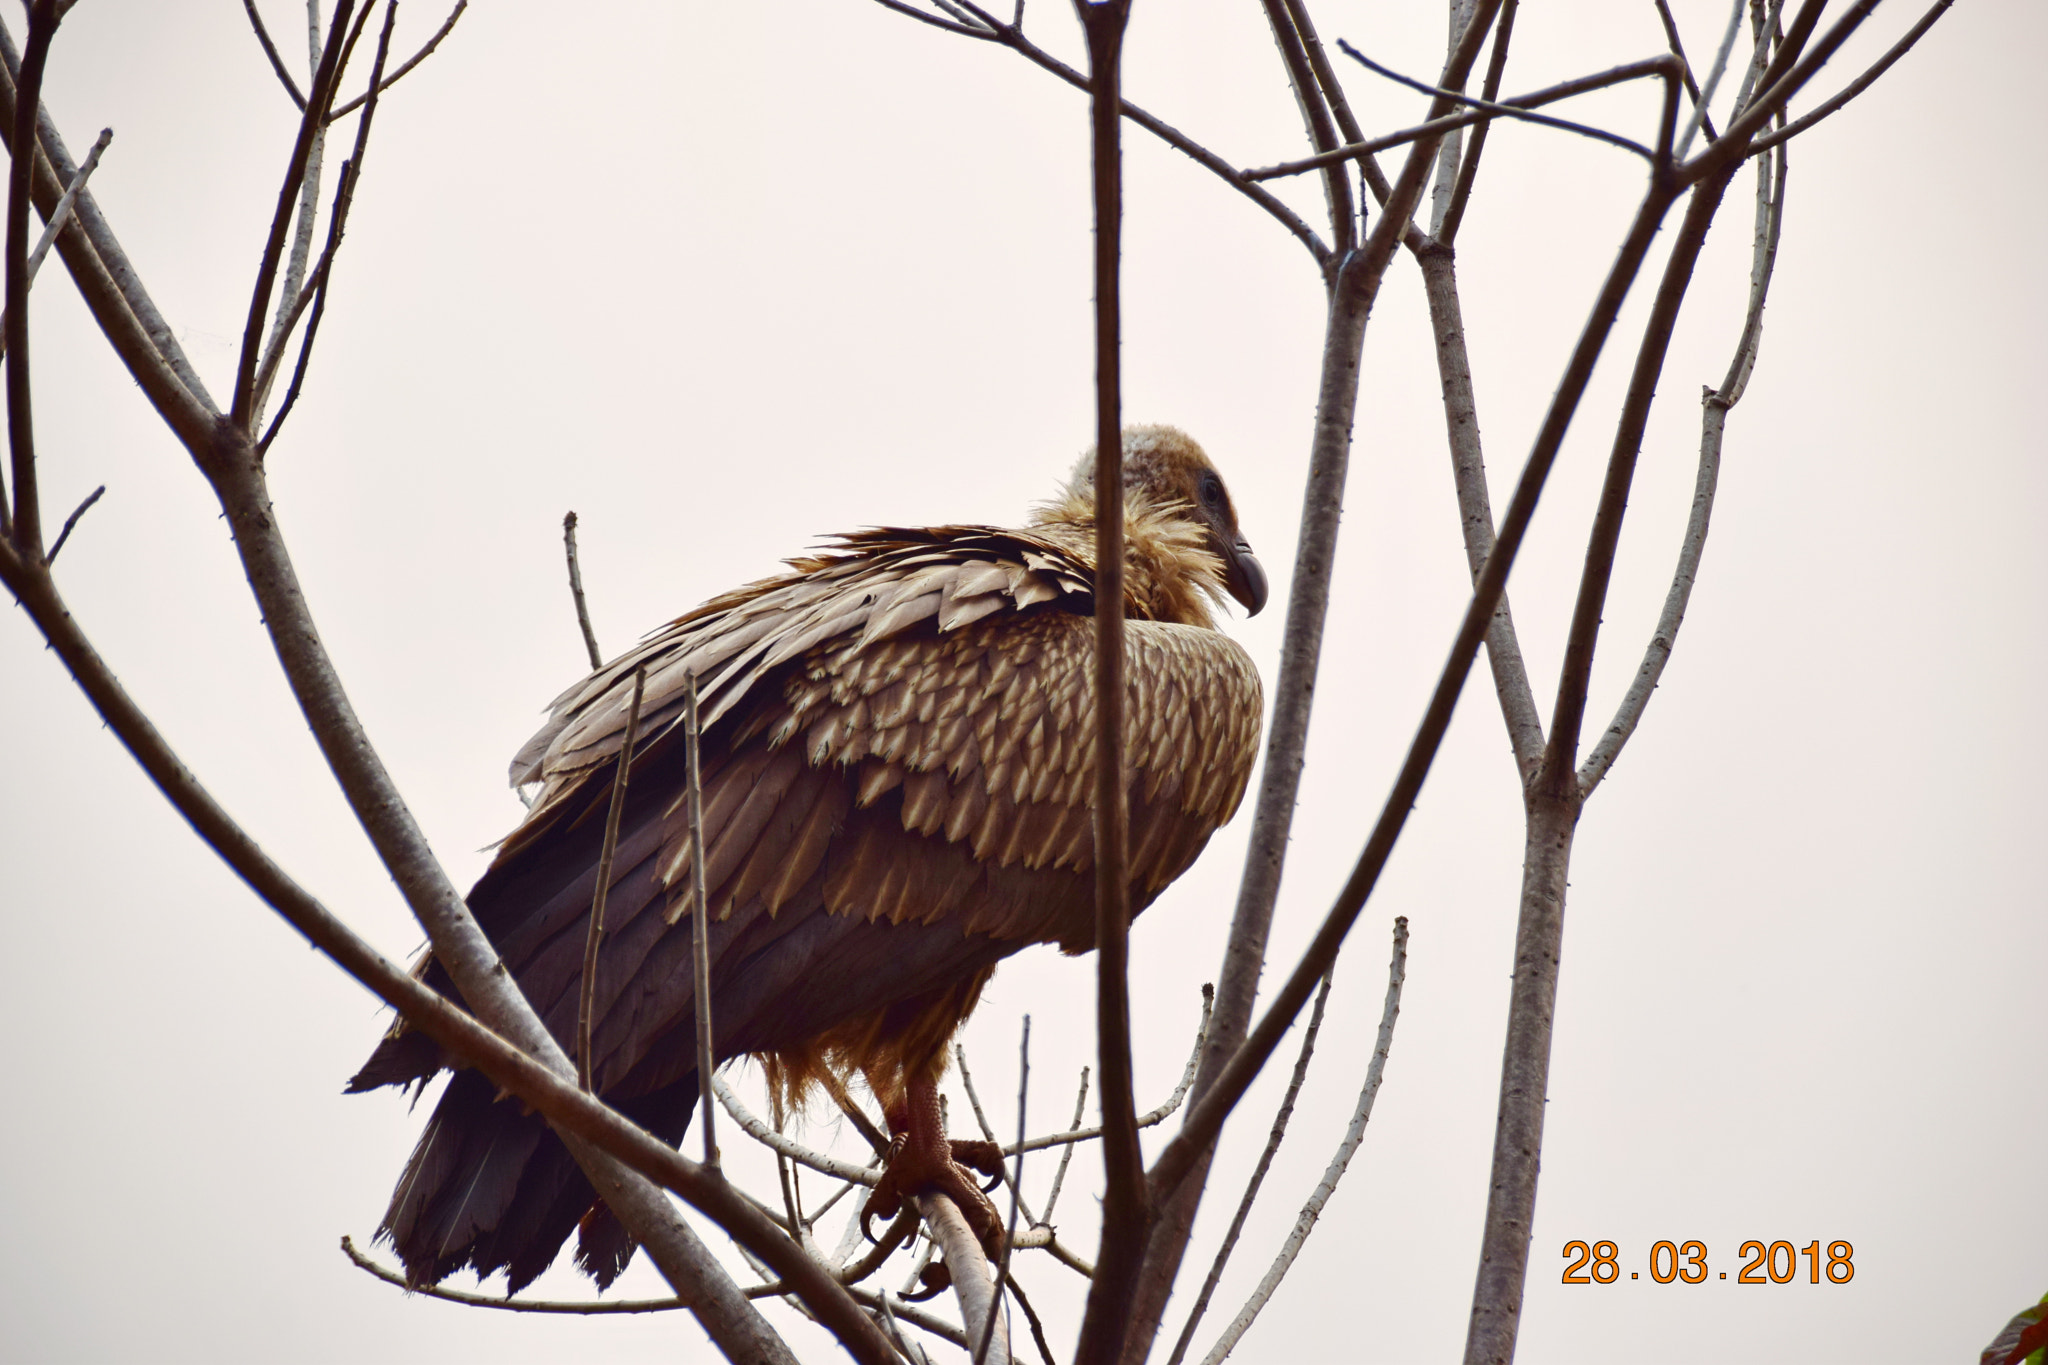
[[1244, 577]]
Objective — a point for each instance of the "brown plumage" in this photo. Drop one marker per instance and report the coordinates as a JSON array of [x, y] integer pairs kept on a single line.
[[898, 758]]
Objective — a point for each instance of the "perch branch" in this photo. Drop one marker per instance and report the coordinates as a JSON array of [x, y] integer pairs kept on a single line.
[[970, 1271], [753, 1127], [1015, 1176]]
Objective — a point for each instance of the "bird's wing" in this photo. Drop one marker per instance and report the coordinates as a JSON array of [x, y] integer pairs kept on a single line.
[[897, 786]]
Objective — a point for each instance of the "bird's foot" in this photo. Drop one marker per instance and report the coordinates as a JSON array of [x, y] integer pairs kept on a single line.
[[921, 1160]]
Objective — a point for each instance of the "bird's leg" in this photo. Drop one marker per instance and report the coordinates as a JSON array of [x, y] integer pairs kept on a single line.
[[922, 1160]]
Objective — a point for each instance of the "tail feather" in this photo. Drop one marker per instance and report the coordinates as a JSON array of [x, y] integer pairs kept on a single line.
[[490, 1188]]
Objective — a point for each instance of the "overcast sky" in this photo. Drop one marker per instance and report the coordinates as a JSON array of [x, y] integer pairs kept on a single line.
[[725, 278]]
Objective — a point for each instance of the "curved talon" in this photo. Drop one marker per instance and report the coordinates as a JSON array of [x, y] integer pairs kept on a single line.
[[935, 1278], [994, 1181]]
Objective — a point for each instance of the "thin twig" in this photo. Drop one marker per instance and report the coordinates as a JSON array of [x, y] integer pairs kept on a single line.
[[1017, 1290], [1857, 86], [1258, 1178], [1475, 506], [71, 521], [1016, 1179], [576, 593], [1692, 88], [760, 1132], [1317, 122], [700, 915], [307, 223], [24, 524], [291, 87], [1013, 38], [1715, 405], [280, 224], [876, 1138], [586, 1001], [1305, 1221], [323, 275], [1655, 66], [1778, 89], [1059, 1176], [53, 226], [1468, 169], [1713, 81], [106, 279], [1496, 108], [379, 87]]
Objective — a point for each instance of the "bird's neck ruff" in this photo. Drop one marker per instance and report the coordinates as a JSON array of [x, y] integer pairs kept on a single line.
[[1170, 573]]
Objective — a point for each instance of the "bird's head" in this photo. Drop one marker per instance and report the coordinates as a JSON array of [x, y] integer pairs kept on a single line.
[[1168, 478]]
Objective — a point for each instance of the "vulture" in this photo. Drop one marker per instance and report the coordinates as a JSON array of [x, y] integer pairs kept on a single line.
[[897, 774]]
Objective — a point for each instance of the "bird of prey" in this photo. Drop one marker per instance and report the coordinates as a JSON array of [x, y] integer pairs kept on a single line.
[[897, 778]]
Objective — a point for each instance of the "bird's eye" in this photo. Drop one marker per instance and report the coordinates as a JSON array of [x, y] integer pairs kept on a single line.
[[1212, 490]]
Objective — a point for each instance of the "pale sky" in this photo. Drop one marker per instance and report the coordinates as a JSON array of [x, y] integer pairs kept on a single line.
[[724, 279]]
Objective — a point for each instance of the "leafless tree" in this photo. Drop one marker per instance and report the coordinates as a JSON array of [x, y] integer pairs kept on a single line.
[[1757, 76]]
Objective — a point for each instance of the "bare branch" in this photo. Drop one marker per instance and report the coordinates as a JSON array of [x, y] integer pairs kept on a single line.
[[291, 87], [1316, 119], [970, 1272], [53, 226], [760, 1132], [1205, 1119], [548, 1086], [1230, 1057], [1568, 714], [1655, 66], [107, 281], [310, 126], [1126, 1211], [586, 998], [1468, 169], [1502, 110], [1059, 1176], [949, 25], [378, 87], [71, 521], [576, 593], [24, 525], [1475, 507], [1017, 1290], [1706, 91], [1305, 1221], [1778, 89], [1015, 1176], [1013, 38], [1251, 1190], [1857, 86], [1692, 88], [1715, 405], [700, 915], [337, 223]]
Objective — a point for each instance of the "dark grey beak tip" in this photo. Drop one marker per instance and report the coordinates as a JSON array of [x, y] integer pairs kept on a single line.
[[1246, 579]]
